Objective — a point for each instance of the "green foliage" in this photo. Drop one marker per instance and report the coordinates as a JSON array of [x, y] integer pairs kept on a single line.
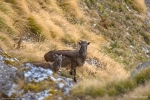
[[128, 1], [114, 45], [90, 3], [93, 1], [96, 92], [40, 86], [119, 88], [93, 91], [143, 76], [66, 74], [100, 7], [32, 87], [112, 91], [114, 5]]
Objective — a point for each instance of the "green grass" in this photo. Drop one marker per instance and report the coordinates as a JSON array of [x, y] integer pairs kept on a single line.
[[119, 88], [128, 1], [143, 76]]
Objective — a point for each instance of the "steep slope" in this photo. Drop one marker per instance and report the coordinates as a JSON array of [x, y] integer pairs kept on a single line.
[[35, 27], [117, 29]]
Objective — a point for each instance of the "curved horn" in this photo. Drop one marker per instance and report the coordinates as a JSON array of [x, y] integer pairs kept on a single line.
[[81, 41]]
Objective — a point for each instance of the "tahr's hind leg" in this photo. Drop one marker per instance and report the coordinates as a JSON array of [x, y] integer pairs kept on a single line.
[[75, 80]]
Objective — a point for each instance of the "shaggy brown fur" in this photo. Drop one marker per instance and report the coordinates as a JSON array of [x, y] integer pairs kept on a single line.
[[74, 58], [55, 66]]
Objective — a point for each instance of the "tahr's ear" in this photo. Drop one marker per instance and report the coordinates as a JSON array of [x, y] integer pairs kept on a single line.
[[88, 43], [55, 55], [79, 43]]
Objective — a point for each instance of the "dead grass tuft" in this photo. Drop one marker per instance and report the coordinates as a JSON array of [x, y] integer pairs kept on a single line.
[[140, 6]]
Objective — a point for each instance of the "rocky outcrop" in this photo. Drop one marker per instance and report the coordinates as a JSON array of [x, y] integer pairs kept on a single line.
[[9, 76]]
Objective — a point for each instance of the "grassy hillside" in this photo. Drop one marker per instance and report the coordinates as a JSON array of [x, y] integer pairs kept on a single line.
[[117, 29], [126, 89]]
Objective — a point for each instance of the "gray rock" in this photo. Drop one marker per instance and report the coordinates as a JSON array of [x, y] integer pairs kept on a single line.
[[139, 68], [7, 76]]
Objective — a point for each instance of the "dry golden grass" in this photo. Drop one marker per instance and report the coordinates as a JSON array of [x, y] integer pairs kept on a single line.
[[140, 6], [54, 7], [52, 16], [58, 31], [7, 9], [108, 71], [3, 45], [72, 6], [6, 40], [22, 7], [8, 24], [30, 52], [39, 21]]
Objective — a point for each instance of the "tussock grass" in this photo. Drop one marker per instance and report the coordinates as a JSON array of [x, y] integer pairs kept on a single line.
[[146, 37], [141, 92], [2, 44], [54, 7], [6, 8], [6, 40], [96, 88], [35, 28], [69, 38], [105, 72], [87, 87], [72, 11], [139, 5], [22, 7], [32, 51], [4, 27], [59, 25], [143, 76]]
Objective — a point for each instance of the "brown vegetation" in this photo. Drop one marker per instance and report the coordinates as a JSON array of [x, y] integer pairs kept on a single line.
[[116, 39]]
